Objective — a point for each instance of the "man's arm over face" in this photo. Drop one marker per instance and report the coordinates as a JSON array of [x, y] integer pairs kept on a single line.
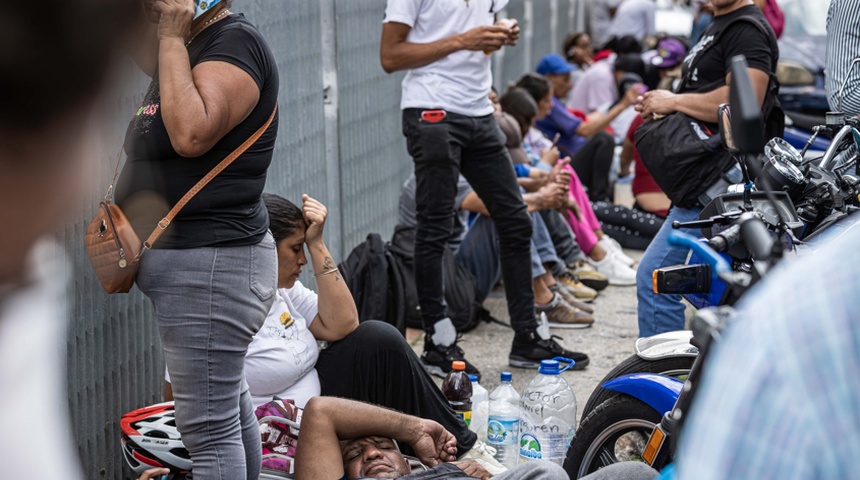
[[327, 420]]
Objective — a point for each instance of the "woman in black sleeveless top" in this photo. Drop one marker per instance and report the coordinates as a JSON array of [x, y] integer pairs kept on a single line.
[[212, 274]]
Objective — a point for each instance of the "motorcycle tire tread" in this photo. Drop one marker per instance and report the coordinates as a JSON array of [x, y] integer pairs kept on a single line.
[[603, 417]]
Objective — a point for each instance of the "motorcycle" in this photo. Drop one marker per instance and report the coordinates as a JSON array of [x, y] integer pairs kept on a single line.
[[791, 198], [814, 196]]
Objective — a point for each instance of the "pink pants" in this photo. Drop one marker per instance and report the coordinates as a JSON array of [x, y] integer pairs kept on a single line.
[[584, 230]]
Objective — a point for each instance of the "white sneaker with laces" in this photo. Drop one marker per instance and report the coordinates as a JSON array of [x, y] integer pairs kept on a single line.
[[611, 245], [615, 270], [484, 454]]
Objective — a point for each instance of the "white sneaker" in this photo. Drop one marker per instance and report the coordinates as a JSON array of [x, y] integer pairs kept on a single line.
[[484, 454], [615, 270], [611, 245]]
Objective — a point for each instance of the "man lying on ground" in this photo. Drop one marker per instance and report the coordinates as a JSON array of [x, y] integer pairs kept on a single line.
[[343, 439]]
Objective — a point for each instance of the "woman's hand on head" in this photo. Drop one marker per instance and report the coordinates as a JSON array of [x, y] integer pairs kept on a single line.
[[315, 214], [175, 17]]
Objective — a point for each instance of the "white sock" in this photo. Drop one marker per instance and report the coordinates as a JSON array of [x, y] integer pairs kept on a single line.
[[543, 327], [444, 333]]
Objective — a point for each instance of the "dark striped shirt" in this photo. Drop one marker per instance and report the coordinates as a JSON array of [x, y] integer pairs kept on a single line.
[[843, 46]]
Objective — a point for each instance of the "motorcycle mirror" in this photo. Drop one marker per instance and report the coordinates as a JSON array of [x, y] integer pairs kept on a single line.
[[725, 125], [747, 126]]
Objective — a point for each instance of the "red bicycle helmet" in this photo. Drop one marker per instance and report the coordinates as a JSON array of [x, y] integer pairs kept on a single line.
[[150, 439]]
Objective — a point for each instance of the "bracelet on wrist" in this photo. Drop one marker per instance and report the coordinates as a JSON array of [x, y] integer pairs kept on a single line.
[[327, 272]]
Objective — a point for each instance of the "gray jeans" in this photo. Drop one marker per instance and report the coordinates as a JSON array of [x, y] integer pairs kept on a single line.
[[623, 471], [209, 303], [537, 470]]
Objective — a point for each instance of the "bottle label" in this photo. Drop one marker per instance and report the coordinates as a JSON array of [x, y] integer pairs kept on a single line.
[[529, 448], [502, 432], [466, 415]]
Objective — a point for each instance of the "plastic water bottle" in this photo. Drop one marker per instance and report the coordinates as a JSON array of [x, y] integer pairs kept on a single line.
[[547, 415], [504, 422], [458, 390], [480, 407]]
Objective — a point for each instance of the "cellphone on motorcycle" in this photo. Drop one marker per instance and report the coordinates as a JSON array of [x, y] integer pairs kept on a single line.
[[681, 279]]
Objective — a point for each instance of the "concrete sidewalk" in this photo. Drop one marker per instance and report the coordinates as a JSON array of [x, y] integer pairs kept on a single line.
[[608, 342]]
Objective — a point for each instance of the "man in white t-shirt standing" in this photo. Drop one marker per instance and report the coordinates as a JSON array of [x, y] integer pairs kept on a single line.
[[445, 46]]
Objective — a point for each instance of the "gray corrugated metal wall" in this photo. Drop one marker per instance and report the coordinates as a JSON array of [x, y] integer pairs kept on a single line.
[[339, 140]]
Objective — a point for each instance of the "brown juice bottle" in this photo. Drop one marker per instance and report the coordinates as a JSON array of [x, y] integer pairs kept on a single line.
[[458, 390]]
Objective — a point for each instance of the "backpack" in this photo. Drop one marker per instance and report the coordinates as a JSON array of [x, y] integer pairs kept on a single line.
[[279, 431], [375, 283], [460, 293]]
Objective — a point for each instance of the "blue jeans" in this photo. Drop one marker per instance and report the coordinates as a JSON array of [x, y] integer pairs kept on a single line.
[[479, 253], [660, 313], [209, 303]]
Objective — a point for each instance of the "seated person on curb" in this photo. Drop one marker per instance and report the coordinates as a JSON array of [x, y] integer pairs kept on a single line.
[[368, 361], [648, 195], [576, 273], [596, 86], [585, 142], [342, 439], [603, 252]]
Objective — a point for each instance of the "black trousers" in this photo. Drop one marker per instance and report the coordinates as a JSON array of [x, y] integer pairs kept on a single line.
[[592, 163], [475, 147], [374, 364], [632, 228]]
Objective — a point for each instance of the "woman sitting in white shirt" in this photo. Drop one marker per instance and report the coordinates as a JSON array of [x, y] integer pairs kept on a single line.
[[368, 361]]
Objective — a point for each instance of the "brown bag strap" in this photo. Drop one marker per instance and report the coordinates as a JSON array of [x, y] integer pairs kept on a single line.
[[164, 222]]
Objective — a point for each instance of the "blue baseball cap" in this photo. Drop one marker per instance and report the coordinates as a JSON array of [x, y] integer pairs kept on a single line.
[[553, 63]]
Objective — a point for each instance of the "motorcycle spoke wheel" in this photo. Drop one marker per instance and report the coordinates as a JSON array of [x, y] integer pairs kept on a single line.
[[613, 432]]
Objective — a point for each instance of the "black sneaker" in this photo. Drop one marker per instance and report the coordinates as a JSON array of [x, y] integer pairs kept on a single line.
[[529, 349], [437, 359]]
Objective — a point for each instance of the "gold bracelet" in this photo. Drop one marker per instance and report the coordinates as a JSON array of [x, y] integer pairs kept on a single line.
[[327, 272]]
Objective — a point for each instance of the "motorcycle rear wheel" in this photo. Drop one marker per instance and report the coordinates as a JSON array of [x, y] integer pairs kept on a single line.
[[677, 366], [615, 431]]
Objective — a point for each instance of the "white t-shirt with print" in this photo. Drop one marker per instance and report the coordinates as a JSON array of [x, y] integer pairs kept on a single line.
[[281, 358], [461, 81]]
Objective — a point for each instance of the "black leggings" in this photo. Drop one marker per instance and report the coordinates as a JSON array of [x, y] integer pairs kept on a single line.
[[592, 163], [374, 364], [631, 228]]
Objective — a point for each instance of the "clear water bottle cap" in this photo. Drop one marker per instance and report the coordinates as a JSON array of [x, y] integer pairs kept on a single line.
[[550, 367], [473, 378], [506, 376]]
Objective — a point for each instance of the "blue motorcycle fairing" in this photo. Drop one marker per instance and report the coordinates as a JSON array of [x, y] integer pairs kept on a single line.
[[658, 391]]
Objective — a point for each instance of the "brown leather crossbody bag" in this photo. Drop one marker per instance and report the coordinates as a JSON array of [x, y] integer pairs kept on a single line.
[[113, 247]]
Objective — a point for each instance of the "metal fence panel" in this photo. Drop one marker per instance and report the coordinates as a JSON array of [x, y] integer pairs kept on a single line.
[[542, 41], [114, 355], [339, 140], [373, 158]]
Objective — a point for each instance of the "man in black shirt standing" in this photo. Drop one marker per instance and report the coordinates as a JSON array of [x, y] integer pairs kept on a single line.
[[739, 28]]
